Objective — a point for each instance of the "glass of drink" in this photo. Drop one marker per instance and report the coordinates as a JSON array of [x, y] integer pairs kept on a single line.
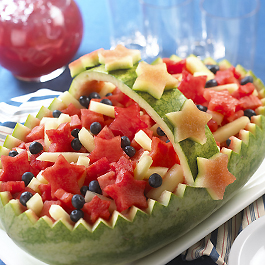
[[38, 38]]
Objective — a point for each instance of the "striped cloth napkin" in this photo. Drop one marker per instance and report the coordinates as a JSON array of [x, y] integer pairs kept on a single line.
[[217, 244]]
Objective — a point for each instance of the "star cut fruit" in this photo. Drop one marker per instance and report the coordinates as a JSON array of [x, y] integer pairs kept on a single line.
[[119, 225]]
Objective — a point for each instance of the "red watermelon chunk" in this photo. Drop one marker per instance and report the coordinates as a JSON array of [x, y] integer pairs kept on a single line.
[[111, 149], [72, 110], [193, 87], [14, 167], [123, 163], [163, 154], [36, 133], [225, 77], [127, 121], [60, 138], [250, 102], [245, 90], [65, 198], [96, 169], [174, 67], [64, 175], [89, 116], [108, 178], [75, 122], [106, 133], [12, 186], [97, 208], [127, 192], [46, 207], [45, 190]]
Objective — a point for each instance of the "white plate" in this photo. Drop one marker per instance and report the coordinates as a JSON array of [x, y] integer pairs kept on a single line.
[[248, 194], [249, 246]]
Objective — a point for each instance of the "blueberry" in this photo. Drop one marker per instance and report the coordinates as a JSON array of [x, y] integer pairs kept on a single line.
[[202, 108], [84, 101], [94, 95], [125, 141], [27, 177], [24, 197], [249, 113], [211, 83], [160, 132], [13, 153], [155, 180], [75, 132], [83, 190], [76, 215], [106, 101], [246, 79], [78, 201], [95, 127], [35, 147], [129, 150], [56, 113], [95, 187], [76, 144], [228, 142], [213, 68], [108, 94]]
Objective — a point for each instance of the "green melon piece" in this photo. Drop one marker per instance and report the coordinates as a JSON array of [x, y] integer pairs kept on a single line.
[[240, 69], [44, 112], [175, 58], [57, 104], [157, 61], [125, 239], [31, 121], [11, 142], [209, 60], [20, 132], [224, 64]]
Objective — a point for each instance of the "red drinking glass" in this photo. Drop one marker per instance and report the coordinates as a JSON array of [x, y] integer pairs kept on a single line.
[[38, 38]]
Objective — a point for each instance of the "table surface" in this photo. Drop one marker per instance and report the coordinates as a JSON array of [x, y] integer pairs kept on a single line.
[[97, 35]]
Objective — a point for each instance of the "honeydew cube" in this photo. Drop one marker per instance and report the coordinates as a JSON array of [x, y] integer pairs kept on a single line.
[[67, 99], [180, 190], [63, 118], [31, 121], [57, 104], [87, 139], [154, 129], [52, 157], [107, 88], [102, 108], [58, 213], [159, 170], [35, 203], [49, 123], [170, 182], [34, 184], [143, 140], [230, 87], [142, 167], [83, 161], [41, 179]]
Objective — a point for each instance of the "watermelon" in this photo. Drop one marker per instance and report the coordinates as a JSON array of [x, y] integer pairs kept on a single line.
[[188, 162]]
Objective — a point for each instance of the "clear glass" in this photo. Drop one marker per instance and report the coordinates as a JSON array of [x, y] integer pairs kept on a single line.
[[38, 38], [229, 30], [168, 27], [126, 24]]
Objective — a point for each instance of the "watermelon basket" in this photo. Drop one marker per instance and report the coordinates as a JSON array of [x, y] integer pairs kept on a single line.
[[203, 169]]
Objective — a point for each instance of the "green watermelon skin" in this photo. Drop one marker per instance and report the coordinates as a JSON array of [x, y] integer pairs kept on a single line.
[[123, 240]]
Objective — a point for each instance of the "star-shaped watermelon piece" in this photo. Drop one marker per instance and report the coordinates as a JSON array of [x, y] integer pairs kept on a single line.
[[213, 175], [64, 175], [127, 192], [119, 58], [97, 208], [14, 167], [189, 122], [154, 79]]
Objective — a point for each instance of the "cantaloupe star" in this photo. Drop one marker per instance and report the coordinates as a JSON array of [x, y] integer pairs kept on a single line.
[[214, 175], [154, 79], [119, 58], [189, 122]]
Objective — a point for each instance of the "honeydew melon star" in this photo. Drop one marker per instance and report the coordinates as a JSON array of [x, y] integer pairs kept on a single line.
[[119, 58], [154, 79], [189, 122]]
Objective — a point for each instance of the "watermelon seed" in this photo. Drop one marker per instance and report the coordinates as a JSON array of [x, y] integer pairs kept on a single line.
[[13, 153], [75, 215], [27, 177], [35, 147], [24, 197]]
